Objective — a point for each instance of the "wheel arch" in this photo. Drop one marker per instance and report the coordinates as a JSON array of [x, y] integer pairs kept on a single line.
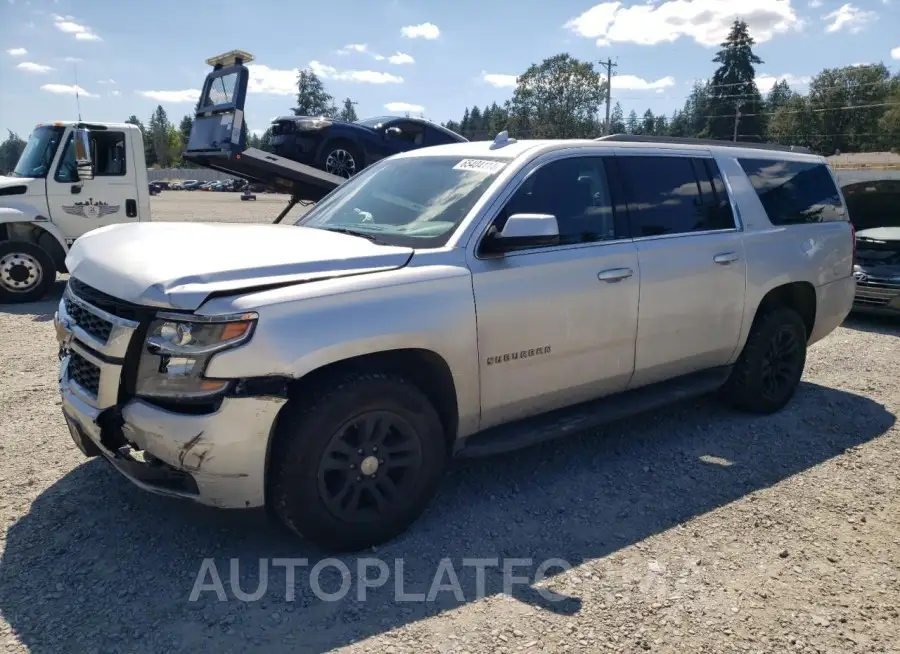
[[40, 232], [424, 368], [347, 139], [798, 295]]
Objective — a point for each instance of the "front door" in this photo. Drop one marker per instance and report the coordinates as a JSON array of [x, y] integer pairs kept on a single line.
[[557, 325], [693, 270], [77, 206]]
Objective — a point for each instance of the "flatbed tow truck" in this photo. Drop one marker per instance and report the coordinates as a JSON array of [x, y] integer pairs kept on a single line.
[[217, 139]]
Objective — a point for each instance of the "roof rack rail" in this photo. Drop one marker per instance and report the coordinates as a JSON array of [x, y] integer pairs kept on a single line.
[[685, 140]]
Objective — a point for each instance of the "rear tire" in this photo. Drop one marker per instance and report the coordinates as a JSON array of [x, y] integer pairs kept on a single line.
[[337, 158], [27, 272], [358, 463], [768, 372]]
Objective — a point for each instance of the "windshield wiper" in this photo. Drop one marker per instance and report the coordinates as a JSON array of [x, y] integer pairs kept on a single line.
[[354, 232]]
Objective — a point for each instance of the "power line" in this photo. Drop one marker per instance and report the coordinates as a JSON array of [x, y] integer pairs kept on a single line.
[[885, 83]]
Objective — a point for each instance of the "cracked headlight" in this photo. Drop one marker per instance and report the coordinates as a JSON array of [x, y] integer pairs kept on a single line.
[[178, 348]]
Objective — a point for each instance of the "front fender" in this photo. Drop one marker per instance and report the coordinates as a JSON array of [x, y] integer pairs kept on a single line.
[[24, 213], [430, 308]]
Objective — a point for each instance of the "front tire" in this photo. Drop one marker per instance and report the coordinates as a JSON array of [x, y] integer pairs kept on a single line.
[[769, 369], [27, 272], [358, 463]]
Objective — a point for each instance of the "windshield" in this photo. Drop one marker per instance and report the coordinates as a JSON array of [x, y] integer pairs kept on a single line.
[[411, 201], [221, 90], [376, 121], [39, 152]]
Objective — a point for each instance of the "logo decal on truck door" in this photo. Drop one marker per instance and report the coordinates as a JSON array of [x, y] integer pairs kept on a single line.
[[91, 209]]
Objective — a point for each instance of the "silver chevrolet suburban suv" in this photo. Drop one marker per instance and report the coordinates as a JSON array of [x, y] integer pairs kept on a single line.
[[465, 299]]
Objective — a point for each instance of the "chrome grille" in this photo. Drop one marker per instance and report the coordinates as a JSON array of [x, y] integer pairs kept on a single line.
[[88, 321], [84, 373], [875, 293]]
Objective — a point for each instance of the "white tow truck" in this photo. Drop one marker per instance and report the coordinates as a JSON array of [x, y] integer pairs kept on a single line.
[[74, 177]]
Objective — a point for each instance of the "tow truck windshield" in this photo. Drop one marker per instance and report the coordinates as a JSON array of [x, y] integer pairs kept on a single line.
[[38, 154], [410, 201]]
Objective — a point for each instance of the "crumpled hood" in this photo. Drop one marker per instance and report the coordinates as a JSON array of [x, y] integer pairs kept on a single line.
[[177, 265]]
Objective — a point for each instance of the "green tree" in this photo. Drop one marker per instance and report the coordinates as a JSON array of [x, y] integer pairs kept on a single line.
[[794, 123], [848, 103], [617, 120], [265, 141], [158, 128], [185, 127], [149, 153], [778, 96], [734, 89], [312, 99], [557, 98], [10, 151], [632, 124], [348, 112], [648, 123]]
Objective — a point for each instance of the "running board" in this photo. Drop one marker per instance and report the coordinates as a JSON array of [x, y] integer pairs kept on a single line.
[[589, 415]]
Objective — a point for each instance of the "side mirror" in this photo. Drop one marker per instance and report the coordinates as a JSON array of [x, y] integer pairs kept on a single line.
[[83, 163], [525, 230], [392, 132]]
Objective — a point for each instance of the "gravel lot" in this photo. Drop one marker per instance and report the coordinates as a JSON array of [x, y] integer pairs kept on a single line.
[[691, 529]]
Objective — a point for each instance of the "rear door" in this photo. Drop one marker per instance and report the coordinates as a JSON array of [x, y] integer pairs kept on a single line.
[[77, 206], [691, 257]]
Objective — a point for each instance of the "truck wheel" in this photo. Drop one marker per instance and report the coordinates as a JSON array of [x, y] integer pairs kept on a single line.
[[769, 369], [355, 465], [341, 158], [27, 272]]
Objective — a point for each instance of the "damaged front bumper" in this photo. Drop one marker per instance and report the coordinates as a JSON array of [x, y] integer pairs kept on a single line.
[[216, 458]]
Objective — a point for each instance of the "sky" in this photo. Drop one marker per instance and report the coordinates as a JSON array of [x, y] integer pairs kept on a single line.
[[428, 57]]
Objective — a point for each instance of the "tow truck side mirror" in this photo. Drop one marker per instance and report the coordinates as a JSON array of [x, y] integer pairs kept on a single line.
[[83, 163]]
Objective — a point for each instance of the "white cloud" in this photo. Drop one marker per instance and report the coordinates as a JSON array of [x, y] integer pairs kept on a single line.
[[68, 25], [115, 93], [815, 4], [365, 76], [765, 82], [283, 81], [32, 67], [401, 58], [635, 83], [65, 89], [705, 21], [499, 80], [271, 80], [404, 106], [848, 17], [186, 95], [895, 53], [353, 47], [428, 31], [17, 52], [106, 81], [73, 60]]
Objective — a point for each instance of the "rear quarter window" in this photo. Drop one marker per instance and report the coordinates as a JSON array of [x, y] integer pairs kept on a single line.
[[795, 192]]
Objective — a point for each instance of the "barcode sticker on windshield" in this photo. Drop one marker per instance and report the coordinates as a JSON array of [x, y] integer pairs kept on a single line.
[[479, 165]]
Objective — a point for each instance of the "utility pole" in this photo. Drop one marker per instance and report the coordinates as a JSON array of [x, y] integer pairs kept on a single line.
[[609, 65], [737, 119]]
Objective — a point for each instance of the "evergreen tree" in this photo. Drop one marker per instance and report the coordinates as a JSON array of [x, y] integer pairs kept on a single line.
[[733, 89], [312, 99], [348, 112], [617, 120]]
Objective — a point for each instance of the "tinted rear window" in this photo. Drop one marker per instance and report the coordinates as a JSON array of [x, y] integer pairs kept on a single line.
[[794, 192]]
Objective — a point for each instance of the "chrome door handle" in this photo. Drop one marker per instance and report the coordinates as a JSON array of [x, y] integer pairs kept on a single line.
[[614, 274], [725, 258]]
